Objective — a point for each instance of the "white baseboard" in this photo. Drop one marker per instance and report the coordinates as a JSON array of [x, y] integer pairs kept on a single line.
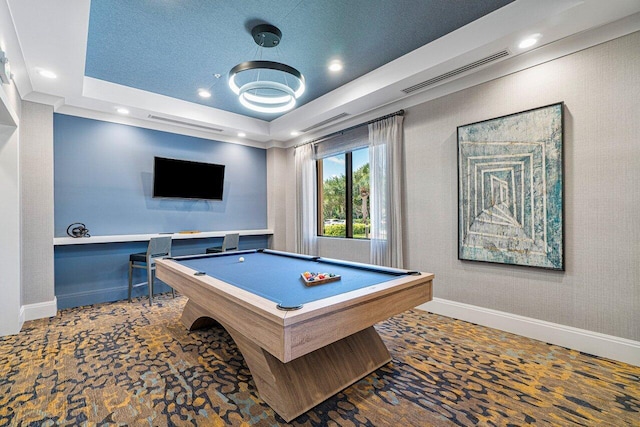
[[21, 317], [609, 346], [40, 310]]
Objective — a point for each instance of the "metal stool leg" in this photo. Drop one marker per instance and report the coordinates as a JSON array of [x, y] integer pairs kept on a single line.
[[130, 279], [150, 282]]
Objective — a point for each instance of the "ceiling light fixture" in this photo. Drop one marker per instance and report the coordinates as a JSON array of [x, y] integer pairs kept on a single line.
[[48, 74], [242, 134], [207, 92], [122, 110], [335, 66], [529, 41], [265, 95]]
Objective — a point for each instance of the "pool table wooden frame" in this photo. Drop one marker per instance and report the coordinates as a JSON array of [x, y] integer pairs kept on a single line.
[[299, 358]]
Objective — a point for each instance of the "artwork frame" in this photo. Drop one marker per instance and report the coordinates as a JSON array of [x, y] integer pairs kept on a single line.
[[511, 189]]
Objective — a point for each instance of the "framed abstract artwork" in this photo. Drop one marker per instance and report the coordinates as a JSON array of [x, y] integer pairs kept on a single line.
[[510, 189]]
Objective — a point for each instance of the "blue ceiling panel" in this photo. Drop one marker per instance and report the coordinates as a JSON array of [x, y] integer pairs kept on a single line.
[[175, 47]]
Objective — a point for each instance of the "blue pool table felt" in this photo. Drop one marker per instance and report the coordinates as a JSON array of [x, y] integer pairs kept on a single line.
[[277, 277]]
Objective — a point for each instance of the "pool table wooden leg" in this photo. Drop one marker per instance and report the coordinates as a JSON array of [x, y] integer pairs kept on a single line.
[[293, 388], [194, 317]]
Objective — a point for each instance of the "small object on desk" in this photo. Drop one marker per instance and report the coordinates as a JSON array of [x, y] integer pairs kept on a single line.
[[199, 273], [189, 232], [78, 229], [241, 259], [312, 279]]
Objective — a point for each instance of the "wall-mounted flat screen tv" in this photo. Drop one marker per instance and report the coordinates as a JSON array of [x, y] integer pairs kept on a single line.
[[187, 180]]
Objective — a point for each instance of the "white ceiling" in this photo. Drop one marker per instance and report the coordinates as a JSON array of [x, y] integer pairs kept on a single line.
[[52, 34]]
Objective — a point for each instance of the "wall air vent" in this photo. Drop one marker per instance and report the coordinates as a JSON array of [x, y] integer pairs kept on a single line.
[[181, 123], [441, 77], [324, 122]]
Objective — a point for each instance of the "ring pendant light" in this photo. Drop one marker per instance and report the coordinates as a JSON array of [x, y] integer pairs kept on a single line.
[[267, 96]]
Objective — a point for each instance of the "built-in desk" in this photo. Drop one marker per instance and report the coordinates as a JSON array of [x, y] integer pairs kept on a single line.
[[120, 238], [91, 270]]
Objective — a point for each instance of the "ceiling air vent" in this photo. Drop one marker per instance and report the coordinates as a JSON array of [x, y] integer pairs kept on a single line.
[[181, 123], [324, 122], [441, 77]]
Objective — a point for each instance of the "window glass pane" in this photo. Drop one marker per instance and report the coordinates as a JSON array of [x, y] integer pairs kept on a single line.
[[360, 163], [334, 196]]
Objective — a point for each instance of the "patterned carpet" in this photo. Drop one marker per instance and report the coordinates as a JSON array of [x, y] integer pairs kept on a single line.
[[128, 364]]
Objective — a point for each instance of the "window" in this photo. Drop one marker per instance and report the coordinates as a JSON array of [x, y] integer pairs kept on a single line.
[[343, 195]]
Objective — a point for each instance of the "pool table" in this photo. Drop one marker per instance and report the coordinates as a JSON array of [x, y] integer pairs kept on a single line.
[[301, 343]]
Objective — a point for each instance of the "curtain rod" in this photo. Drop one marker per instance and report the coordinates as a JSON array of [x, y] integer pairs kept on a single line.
[[313, 141]]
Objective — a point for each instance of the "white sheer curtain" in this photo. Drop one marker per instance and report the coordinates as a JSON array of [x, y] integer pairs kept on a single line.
[[342, 142], [306, 241], [385, 163]]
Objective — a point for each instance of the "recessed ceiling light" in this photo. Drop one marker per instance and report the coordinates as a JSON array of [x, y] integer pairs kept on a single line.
[[48, 74], [529, 41], [204, 93], [242, 134], [335, 66], [122, 110], [295, 133]]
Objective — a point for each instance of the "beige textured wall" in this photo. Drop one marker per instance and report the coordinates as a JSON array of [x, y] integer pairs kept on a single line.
[[600, 289], [36, 187], [290, 200], [276, 198]]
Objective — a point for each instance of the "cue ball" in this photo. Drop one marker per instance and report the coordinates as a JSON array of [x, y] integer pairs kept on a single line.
[[241, 259]]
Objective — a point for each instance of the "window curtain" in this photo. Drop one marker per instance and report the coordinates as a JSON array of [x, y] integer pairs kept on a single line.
[[342, 142], [306, 241], [385, 162]]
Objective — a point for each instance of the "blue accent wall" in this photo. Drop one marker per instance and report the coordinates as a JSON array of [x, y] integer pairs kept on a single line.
[[103, 177], [91, 274]]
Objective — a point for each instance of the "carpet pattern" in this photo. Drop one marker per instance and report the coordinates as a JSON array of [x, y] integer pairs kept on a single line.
[[127, 364]]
